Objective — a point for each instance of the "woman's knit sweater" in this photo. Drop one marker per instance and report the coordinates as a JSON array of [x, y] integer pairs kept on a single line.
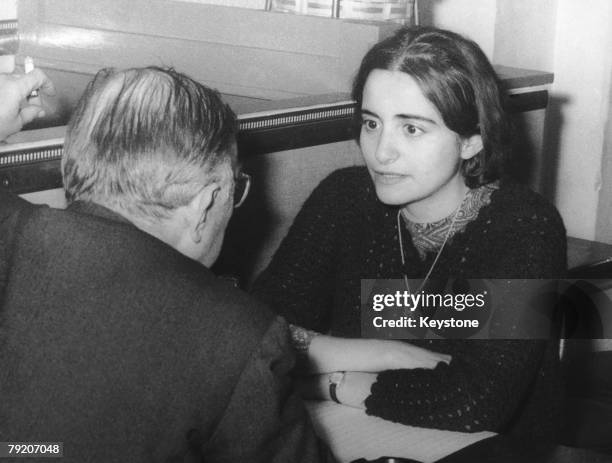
[[344, 234]]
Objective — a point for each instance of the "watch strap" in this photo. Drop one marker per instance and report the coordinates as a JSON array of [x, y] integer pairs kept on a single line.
[[334, 381]]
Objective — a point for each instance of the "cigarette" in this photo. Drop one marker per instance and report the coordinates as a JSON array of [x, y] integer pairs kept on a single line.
[[28, 66]]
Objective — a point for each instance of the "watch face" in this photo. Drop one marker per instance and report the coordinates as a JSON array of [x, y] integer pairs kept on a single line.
[[336, 377]]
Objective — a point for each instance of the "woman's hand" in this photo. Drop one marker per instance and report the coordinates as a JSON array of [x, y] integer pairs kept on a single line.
[[373, 354], [16, 109], [328, 354], [402, 355]]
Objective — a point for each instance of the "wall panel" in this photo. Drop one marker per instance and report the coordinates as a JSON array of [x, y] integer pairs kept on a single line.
[[238, 51]]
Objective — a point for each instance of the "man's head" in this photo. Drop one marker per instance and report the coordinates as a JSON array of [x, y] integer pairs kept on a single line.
[[159, 148]]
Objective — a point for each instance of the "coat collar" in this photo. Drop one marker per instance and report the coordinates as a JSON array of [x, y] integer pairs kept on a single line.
[[97, 210]]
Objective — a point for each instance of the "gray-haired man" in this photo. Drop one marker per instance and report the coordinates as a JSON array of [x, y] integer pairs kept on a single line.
[[114, 338]]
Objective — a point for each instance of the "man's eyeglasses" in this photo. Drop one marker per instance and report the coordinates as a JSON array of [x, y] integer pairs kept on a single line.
[[242, 184]]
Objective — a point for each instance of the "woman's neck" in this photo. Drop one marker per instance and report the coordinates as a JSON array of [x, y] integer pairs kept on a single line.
[[437, 206]]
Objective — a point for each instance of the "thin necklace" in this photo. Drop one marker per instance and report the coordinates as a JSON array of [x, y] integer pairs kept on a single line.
[[401, 243]]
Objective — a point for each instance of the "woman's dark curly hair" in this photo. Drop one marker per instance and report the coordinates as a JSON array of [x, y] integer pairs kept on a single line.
[[456, 76]]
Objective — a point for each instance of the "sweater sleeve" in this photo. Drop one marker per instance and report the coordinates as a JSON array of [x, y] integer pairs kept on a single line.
[[479, 391], [488, 381], [298, 284]]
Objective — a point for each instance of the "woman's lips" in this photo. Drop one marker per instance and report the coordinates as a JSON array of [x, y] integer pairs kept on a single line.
[[388, 178]]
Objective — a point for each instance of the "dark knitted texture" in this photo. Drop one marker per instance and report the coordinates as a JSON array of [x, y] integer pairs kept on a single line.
[[344, 234]]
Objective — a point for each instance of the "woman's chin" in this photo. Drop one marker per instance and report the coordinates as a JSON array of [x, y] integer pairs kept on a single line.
[[392, 198]]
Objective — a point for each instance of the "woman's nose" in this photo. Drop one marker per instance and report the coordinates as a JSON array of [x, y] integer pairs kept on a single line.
[[386, 151]]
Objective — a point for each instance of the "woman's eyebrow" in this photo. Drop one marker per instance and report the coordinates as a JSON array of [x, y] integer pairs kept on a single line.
[[403, 116], [366, 111], [416, 117]]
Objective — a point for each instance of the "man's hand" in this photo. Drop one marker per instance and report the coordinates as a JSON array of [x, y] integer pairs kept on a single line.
[[16, 109]]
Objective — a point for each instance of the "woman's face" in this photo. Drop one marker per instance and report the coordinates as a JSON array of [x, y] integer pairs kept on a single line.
[[413, 157]]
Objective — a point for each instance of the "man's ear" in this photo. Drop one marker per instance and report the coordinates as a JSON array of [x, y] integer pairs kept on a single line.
[[471, 146], [199, 210]]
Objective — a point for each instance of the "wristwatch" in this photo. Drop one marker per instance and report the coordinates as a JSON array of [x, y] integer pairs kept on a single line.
[[334, 381]]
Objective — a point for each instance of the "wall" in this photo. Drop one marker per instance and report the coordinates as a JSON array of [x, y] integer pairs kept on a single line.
[[267, 55], [458, 15], [525, 33], [604, 212], [516, 33], [8, 9], [579, 109], [253, 4]]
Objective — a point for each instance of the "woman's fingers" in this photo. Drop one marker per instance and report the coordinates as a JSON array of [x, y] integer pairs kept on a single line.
[[418, 357]]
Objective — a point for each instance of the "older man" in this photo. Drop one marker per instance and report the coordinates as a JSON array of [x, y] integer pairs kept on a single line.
[[114, 338]]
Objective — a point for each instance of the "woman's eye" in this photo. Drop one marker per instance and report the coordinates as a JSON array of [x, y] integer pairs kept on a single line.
[[412, 130], [370, 124]]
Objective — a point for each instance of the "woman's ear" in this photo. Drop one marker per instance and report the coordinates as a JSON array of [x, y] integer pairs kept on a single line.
[[471, 146], [199, 210]]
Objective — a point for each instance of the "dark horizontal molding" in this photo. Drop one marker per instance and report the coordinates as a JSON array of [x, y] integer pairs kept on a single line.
[[309, 132], [530, 101], [9, 37], [8, 27], [38, 176]]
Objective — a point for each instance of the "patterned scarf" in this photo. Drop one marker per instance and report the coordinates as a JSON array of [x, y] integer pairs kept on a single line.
[[428, 237]]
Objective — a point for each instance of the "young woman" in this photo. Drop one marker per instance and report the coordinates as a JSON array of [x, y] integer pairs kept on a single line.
[[430, 202]]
